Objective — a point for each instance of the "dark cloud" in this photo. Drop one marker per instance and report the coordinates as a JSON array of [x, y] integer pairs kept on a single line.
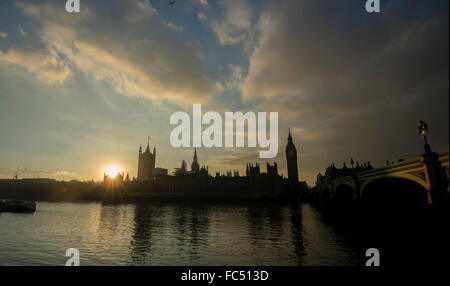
[[355, 83]]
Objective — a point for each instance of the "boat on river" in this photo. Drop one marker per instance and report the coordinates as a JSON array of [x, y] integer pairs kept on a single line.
[[17, 206]]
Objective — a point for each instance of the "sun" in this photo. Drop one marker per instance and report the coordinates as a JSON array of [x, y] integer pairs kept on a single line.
[[112, 171]]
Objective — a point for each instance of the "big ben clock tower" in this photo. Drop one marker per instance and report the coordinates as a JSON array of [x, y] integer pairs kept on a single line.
[[291, 158]]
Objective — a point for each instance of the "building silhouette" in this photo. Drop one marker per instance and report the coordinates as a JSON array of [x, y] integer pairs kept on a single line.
[[146, 162], [182, 170], [195, 167], [253, 170], [291, 158], [332, 173], [118, 178], [198, 182], [160, 172]]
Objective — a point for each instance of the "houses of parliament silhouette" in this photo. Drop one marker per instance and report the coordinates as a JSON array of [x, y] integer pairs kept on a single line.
[[197, 181], [156, 183]]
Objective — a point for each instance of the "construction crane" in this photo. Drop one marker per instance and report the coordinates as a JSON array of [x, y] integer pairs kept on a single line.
[[18, 172]]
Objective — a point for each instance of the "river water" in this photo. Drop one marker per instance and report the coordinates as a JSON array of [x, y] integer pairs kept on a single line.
[[178, 234]]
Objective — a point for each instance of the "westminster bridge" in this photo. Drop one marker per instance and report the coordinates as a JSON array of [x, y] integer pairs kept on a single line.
[[423, 179]]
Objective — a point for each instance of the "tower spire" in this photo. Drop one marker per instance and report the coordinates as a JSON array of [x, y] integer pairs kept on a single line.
[[291, 158], [195, 167], [148, 144]]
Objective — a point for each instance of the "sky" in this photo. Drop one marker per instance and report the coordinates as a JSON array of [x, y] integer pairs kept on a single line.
[[81, 91]]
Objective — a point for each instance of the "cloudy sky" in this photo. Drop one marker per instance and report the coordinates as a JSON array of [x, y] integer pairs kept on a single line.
[[81, 91]]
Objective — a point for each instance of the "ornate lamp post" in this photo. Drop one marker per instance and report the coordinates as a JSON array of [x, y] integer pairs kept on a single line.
[[437, 182], [422, 128]]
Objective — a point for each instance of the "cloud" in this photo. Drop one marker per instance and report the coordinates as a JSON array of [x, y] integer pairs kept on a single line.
[[235, 159], [3, 35], [22, 31], [48, 173], [334, 62], [175, 27], [230, 21], [355, 84], [236, 77], [128, 45], [48, 67], [305, 135], [59, 173]]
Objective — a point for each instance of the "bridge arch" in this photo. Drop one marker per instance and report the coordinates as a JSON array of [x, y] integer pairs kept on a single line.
[[394, 191], [343, 192], [410, 177]]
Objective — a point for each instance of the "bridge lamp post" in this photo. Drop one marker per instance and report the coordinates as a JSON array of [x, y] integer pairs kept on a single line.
[[422, 128], [435, 175]]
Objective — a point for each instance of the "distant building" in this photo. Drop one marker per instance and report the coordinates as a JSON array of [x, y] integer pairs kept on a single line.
[[272, 170], [38, 180], [146, 163], [160, 172], [195, 168], [118, 178], [252, 171], [332, 172], [204, 171], [182, 170]]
